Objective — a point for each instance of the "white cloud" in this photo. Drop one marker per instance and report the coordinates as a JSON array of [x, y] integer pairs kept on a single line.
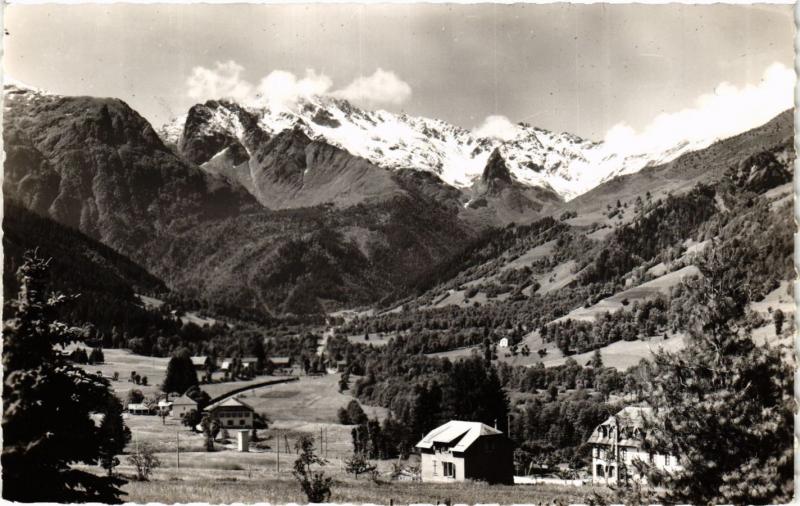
[[496, 127], [382, 87], [223, 81], [280, 88], [728, 111]]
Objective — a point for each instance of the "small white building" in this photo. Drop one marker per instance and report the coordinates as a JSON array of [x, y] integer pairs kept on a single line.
[[164, 407], [139, 409], [182, 405], [199, 362], [618, 442], [503, 343]]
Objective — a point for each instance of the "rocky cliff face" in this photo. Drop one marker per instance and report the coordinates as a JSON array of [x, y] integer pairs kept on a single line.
[[97, 166]]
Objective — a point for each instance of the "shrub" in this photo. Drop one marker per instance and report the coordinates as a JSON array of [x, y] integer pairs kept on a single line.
[[144, 461]]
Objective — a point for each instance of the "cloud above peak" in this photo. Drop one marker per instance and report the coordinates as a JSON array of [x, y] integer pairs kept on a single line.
[[496, 127], [281, 88], [727, 111], [382, 87]]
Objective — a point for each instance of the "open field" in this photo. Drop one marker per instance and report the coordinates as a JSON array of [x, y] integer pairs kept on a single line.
[[253, 485], [310, 399], [124, 362], [645, 291], [375, 339], [530, 256]]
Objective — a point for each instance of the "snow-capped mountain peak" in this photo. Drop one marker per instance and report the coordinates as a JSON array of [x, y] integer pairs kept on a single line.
[[566, 163]]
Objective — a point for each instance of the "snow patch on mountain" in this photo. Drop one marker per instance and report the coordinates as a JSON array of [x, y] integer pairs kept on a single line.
[[565, 163]]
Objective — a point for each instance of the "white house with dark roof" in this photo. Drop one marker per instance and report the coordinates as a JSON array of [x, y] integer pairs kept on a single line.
[[182, 405], [232, 413], [619, 440], [199, 362], [458, 451]]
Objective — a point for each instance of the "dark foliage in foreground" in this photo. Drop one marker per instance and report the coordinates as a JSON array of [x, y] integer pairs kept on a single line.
[[48, 405]]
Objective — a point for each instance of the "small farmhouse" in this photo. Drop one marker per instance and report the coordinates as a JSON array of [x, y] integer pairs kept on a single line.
[[503, 343], [200, 362], [457, 451], [250, 363], [182, 405], [232, 413], [281, 364], [139, 409], [618, 442]]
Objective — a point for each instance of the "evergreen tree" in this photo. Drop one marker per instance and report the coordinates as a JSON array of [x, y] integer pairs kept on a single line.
[[473, 393], [597, 360], [114, 435], [778, 318], [723, 404], [344, 381], [181, 374], [47, 403]]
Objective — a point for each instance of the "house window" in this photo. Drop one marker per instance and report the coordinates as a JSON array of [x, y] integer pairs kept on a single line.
[[449, 469], [599, 470], [610, 472], [241, 422], [434, 468], [666, 460], [230, 422], [623, 453], [595, 452], [652, 457]]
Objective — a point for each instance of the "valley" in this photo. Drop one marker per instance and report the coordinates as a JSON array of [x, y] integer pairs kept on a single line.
[[397, 272]]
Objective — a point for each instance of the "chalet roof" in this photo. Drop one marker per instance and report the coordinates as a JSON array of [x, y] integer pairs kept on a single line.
[[139, 405], [459, 435], [249, 360], [280, 360], [230, 402], [624, 421], [184, 400], [199, 360]]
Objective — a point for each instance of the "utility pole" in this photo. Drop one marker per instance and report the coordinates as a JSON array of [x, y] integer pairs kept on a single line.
[[278, 442], [178, 447]]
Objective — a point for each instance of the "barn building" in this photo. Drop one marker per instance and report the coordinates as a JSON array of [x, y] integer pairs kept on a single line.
[[232, 413], [182, 405], [458, 451], [619, 440], [282, 365]]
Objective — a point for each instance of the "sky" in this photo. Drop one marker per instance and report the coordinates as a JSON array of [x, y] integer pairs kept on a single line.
[[623, 73]]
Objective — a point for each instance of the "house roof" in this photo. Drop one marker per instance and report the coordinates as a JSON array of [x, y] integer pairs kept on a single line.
[[199, 360], [280, 360], [137, 406], [459, 434], [230, 402], [249, 360], [625, 420], [184, 400]]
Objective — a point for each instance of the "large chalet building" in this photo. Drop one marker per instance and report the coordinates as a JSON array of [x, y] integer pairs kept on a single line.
[[232, 413], [619, 440], [459, 451]]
